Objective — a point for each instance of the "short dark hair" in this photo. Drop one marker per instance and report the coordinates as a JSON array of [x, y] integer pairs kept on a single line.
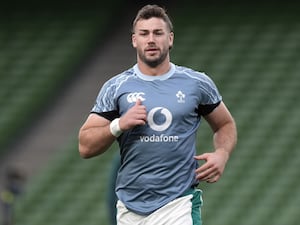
[[150, 11]]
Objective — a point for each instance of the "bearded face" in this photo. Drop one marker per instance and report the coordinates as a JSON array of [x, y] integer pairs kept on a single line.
[[152, 40]]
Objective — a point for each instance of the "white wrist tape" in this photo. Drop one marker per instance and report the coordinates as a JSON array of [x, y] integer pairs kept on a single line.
[[115, 128]]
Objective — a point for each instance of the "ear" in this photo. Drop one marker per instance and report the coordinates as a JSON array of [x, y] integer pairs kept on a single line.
[[171, 39], [133, 40]]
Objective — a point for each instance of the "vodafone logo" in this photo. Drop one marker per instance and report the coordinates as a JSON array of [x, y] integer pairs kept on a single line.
[[133, 97], [159, 113], [159, 119]]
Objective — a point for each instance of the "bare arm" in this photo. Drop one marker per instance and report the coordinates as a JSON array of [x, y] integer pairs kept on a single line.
[[225, 138], [95, 136], [223, 126]]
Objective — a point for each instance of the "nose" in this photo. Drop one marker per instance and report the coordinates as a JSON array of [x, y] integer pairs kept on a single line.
[[150, 38]]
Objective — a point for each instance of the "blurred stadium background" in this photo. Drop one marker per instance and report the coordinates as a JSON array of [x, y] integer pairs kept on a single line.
[[55, 56]]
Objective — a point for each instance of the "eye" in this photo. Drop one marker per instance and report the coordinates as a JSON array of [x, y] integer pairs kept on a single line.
[[143, 33], [158, 32]]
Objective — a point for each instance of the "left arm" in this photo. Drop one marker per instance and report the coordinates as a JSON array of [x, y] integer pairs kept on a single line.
[[225, 138]]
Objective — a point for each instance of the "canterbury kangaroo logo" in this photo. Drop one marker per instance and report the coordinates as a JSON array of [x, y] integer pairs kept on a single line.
[[133, 97]]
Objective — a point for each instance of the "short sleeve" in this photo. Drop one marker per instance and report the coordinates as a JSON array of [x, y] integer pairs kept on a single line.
[[105, 101], [210, 96]]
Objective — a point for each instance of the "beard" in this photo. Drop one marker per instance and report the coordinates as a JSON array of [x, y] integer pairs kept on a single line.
[[155, 61]]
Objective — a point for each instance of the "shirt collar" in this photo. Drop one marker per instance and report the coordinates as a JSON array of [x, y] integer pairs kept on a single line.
[[151, 78]]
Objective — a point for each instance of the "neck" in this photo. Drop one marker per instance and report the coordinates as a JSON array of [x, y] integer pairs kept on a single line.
[[160, 69]]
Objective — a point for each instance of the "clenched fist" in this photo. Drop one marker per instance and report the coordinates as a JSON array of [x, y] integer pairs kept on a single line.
[[135, 116]]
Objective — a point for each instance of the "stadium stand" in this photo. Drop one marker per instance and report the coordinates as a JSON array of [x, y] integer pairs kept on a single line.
[[41, 46], [252, 51]]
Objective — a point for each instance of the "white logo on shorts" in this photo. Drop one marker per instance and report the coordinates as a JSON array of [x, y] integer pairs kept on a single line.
[[133, 97]]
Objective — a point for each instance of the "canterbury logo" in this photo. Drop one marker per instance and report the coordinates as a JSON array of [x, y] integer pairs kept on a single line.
[[133, 97]]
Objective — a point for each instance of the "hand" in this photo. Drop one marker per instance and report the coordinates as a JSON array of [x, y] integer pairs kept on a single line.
[[213, 167], [135, 116]]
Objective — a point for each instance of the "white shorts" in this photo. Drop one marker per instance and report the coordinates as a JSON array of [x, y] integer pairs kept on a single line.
[[183, 210]]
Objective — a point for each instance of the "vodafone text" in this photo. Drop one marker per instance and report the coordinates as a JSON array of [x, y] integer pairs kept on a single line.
[[159, 138]]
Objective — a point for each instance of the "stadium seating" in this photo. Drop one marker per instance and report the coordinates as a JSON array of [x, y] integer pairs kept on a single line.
[[254, 59], [66, 192], [40, 51], [253, 54]]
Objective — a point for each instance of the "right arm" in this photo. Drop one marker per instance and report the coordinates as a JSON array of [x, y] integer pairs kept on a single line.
[[95, 136]]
